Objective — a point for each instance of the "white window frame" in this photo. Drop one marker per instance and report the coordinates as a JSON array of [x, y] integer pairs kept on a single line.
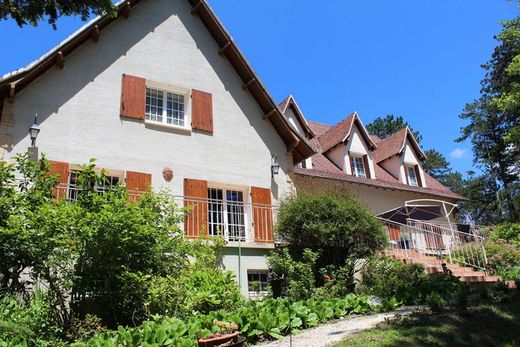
[[264, 291], [172, 89], [110, 175], [225, 208], [355, 169], [415, 182]]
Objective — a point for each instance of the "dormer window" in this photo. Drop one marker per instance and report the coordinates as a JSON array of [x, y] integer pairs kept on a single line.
[[357, 164], [413, 177]]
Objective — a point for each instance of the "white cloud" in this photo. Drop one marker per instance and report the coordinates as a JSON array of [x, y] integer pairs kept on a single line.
[[458, 153]]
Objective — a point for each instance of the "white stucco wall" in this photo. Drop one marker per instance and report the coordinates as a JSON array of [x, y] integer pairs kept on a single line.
[[78, 107], [410, 158], [394, 166]]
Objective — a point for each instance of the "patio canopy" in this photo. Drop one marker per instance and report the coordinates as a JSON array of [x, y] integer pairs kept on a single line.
[[420, 209]]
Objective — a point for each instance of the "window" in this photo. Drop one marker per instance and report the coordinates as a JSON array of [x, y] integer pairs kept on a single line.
[[411, 176], [257, 283], [357, 164], [226, 215], [73, 188], [165, 107]]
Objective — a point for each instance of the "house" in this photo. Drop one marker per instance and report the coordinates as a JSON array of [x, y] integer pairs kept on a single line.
[[161, 96]]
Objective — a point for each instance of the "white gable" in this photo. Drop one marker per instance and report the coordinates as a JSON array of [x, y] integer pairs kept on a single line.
[[162, 41]]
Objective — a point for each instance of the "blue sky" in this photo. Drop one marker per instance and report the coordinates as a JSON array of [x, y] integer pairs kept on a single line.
[[418, 59]]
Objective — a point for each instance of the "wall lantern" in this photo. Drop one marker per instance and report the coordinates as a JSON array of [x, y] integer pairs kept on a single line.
[[34, 130], [275, 166]]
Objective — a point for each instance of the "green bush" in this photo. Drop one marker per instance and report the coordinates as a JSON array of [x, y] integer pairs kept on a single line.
[[509, 233], [298, 275], [33, 320], [435, 302], [503, 259], [336, 228], [389, 278]]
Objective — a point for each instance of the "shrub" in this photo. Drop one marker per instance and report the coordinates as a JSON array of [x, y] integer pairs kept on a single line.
[[333, 225], [387, 277], [298, 275], [508, 232], [330, 220], [435, 302], [504, 259], [33, 320]]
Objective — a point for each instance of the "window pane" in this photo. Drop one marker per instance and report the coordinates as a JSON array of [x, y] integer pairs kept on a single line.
[[175, 109], [412, 178], [215, 212], [154, 105], [358, 166], [235, 215]]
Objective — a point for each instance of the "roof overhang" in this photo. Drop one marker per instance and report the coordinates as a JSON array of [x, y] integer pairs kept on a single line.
[[366, 136], [292, 104], [297, 145]]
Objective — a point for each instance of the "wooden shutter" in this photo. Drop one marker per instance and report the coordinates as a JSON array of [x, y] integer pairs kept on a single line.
[[137, 183], [201, 111], [196, 201], [262, 214], [418, 175], [367, 168], [62, 170], [133, 95]]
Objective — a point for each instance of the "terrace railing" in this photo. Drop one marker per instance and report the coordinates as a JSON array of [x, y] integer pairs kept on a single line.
[[236, 221], [435, 244]]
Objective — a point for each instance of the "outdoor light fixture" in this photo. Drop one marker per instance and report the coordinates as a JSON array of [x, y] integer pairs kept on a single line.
[[34, 130], [275, 166]]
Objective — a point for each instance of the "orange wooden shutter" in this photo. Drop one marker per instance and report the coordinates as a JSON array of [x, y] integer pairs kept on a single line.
[[351, 163], [62, 170], [201, 111], [418, 175], [133, 95], [196, 201], [137, 183], [367, 168], [262, 214]]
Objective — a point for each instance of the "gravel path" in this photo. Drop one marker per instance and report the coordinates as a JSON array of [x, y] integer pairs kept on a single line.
[[327, 334]]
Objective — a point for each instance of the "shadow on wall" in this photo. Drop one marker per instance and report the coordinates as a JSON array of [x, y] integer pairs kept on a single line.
[[91, 59], [95, 58], [245, 101]]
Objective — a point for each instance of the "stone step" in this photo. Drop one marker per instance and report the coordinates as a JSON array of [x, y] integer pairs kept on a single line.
[[432, 264]]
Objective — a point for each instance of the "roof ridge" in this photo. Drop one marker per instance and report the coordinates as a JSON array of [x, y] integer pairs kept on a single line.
[[334, 126]]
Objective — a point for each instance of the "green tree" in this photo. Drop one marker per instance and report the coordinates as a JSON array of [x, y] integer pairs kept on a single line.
[[437, 165], [33, 11], [383, 127], [494, 118]]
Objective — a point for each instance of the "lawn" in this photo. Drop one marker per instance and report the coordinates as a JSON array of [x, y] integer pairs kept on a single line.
[[485, 325]]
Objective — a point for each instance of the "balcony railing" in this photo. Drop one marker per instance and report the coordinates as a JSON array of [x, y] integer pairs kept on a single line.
[[236, 221], [436, 243]]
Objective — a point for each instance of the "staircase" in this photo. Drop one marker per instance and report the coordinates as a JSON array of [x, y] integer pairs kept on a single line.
[[433, 266], [438, 246]]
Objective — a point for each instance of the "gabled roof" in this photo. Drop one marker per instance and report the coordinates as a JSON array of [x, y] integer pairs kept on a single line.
[[290, 103], [322, 167], [395, 145], [14, 82], [341, 132]]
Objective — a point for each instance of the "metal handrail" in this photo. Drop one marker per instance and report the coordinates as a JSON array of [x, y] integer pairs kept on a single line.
[[430, 239]]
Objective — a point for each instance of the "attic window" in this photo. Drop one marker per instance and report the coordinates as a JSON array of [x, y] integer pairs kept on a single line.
[[165, 107], [411, 176], [357, 164]]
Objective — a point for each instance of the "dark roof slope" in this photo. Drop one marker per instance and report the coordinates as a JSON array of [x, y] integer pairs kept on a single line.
[[324, 168]]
